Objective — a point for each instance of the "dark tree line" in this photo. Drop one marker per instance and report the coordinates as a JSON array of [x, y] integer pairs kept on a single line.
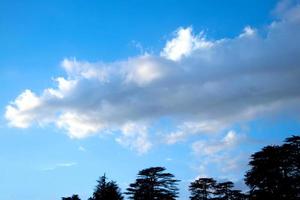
[[73, 197], [208, 188], [274, 175]]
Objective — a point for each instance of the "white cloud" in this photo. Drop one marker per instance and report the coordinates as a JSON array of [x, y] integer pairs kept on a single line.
[[184, 44], [63, 88], [209, 148], [248, 32], [135, 136], [19, 112], [143, 70], [76, 69], [191, 128], [78, 125], [205, 86]]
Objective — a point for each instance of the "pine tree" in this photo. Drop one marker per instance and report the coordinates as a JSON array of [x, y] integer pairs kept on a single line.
[[275, 172], [106, 190], [153, 184], [224, 190], [202, 189]]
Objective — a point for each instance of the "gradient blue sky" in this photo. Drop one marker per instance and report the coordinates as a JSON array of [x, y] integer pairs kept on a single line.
[[42, 157]]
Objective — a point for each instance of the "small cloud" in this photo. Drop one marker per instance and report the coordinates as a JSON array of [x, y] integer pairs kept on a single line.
[[81, 148], [60, 165], [229, 141], [138, 46], [247, 32], [184, 44], [66, 164], [169, 159], [191, 128], [220, 155], [135, 136]]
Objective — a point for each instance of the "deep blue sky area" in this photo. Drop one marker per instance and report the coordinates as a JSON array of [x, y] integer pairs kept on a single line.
[[41, 157]]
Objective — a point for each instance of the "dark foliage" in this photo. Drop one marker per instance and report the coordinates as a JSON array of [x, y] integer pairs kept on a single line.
[[275, 172], [202, 188], [208, 188], [225, 191], [106, 190], [153, 184], [73, 197]]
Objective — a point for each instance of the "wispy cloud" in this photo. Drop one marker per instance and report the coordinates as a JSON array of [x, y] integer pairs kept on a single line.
[[59, 165], [169, 159], [81, 148], [221, 155], [230, 140], [135, 137]]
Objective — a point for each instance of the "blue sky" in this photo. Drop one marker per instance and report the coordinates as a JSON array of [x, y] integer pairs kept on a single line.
[[93, 87]]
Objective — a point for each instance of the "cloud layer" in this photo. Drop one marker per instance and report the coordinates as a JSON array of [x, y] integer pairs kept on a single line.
[[205, 86]]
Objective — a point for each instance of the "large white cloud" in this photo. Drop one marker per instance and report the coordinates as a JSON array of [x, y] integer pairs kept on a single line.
[[205, 86]]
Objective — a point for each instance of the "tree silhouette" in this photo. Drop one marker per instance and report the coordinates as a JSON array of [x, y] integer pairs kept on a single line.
[[224, 190], [291, 150], [106, 190], [237, 195], [275, 171], [153, 184], [208, 188], [202, 189], [74, 197]]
